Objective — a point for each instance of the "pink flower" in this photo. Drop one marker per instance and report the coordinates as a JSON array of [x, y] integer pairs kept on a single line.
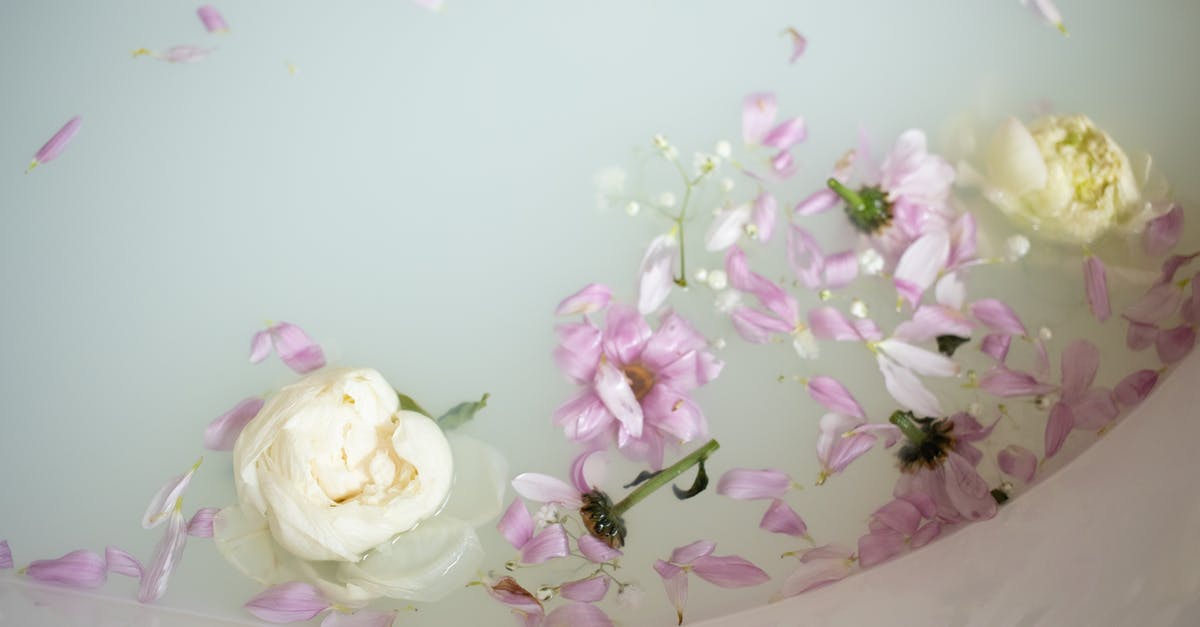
[[759, 129], [938, 466], [294, 347], [728, 571], [637, 382]]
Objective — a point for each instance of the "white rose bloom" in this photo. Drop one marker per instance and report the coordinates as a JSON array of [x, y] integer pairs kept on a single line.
[[1064, 177], [339, 486]]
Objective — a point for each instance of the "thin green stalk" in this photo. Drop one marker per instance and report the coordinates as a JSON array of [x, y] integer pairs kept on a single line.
[[667, 475]]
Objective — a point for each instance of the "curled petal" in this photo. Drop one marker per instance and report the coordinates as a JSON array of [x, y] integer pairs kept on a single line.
[[1017, 461], [998, 317], [758, 114], [1080, 362], [691, 552], [907, 389], [550, 544], [615, 392], [290, 602], [656, 276], [729, 571], [781, 518], [1061, 421], [995, 345], [166, 556], [1134, 388], [834, 396], [593, 297], [818, 202], [122, 563], [296, 348], [78, 569], [516, 525], [578, 615], [745, 484], [786, 134], [828, 323], [920, 264], [799, 44], [675, 581], [1159, 303], [212, 20], [596, 549], [589, 469], [222, 433], [260, 346], [1162, 233], [919, 360], [766, 210], [546, 489], [878, 547], [201, 524], [1047, 12], [1175, 344], [57, 143], [6, 560], [163, 503], [1001, 381], [1096, 286], [587, 590], [1140, 336], [360, 618], [510, 593]]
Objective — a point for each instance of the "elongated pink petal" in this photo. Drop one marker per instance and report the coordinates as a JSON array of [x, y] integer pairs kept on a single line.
[[963, 240], [766, 211], [592, 297], [1096, 286], [1162, 233], [516, 525], [1158, 304], [920, 264], [260, 346], [919, 360], [578, 615], [756, 326], [805, 257], [897, 515], [781, 518], [122, 563], [656, 276], [588, 470], [290, 602], [546, 489], [727, 227], [201, 524], [770, 295], [597, 550], [360, 618], [1175, 344], [925, 535], [212, 20], [675, 581], [1047, 12], [296, 348], [841, 269], [931, 321], [57, 143], [1058, 427], [1095, 410], [550, 544], [878, 547], [818, 202], [867, 330], [166, 557], [845, 450], [164, 501], [78, 569], [587, 590], [691, 552], [1080, 362], [6, 560], [998, 317], [1001, 381], [746, 484], [828, 323], [834, 396], [578, 351], [758, 114], [1140, 336], [615, 392], [907, 389], [222, 433], [729, 571], [1017, 461], [1173, 264], [786, 134], [1134, 388], [995, 345], [799, 44], [818, 567]]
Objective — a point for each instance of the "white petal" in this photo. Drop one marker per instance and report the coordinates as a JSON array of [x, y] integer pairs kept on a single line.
[[907, 389], [950, 291], [924, 259], [726, 228], [479, 481], [425, 564], [657, 274], [1015, 164], [613, 389], [242, 537], [919, 360]]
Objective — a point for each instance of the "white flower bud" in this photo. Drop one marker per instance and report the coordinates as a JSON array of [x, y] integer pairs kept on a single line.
[[724, 149], [718, 280], [1016, 247]]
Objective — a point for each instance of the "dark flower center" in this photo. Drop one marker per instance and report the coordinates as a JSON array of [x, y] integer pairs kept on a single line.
[[927, 441], [868, 208], [947, 344], [601, 521], [640, 379]]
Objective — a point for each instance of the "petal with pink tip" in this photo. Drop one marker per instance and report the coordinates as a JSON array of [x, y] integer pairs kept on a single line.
[[1140, 336], [1003, 382], [675, 581], [1158, 304], [998, 317], [691, 552], [931, 321], [919, 360], [546, 489], [163, 502], [1017, 461], [907, 389], [57, 143], [290, 602], [1162, 233], [834, 396], [781, 518], [841, 269], [786, 134], [166, 557], [596, 549], [591, 298], [1058, 427], [78, 569], [587, 590], [1096, 287], [222, 433], [578, 615], [588, 470], [1134, 388], [122, 563], [625, 333], [995, 345], [729, 571], [758, 114], [783, 165], [656, 276], [201, 523], [878, 547], [745, 484], [766, 211], [360, 618], [1080, 362], [1175, 344], [260, 346], [615, 392], [6, 560], [296, 348], [828, 323], [920, 265], [819, 201], [212, 19], [551, 543]]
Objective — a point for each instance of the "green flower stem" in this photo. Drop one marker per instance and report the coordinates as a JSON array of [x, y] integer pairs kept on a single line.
[[850, 196], [911, 430], [667, 475]]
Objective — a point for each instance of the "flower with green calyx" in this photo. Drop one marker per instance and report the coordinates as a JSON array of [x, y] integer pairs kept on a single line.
[[938, 462], [868, 209], [927, 440]]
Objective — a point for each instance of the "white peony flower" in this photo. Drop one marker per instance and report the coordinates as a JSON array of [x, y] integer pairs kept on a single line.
[[1064, 177], [340, 487]]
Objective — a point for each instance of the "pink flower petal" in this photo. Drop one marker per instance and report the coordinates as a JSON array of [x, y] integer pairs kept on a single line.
[[828, 323], [546, 489], [166, 557], [921, 361], [758, 114], [164, 501], [57, 143], [260, 346], [656, 276], [201, 524], [773, 297], [845, 450], [995, 345], [1096, 285], [1175, 344], [1095, 410], [818, 567], [729, 571], [805, 257], [212, 20], [998, 317], [897, 515], [1158, 304], [1173, 264], [1134, 388], [122, 563], [920, 265], [6, 560], [296, 348], [907, 389], [360, 618], [596, 549], [290, 602], [783, 165], [1080, 362], [550, 544], [834, 396], [593, 297], [587, 590], [925, 535], [745, 484], [1001, 381], [1140, 336], [578, 351], [930, 321], [1017, 461], [615, 392], [818, 202], [78, 569], [510, 593], [878, 547], [1047, 12], [578, 615], [786, 134], [781, 518], [691, 552], [675, 580], [589, 469], [963, 242], [222, 433], [1162, 233], [1061, 421], [766, 210], [841, 269], [625, 334], [799, 44]]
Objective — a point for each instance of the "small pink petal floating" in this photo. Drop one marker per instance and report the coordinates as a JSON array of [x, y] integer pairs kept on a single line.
[[6, 560], [675, 581], [1001, 381], [998, 317], [222, 433], [729, 571], [1134, 388], [122, 563], [747, 484], [163, 502], [212, 19], [176, 54], [1173, 345], [201, 524], [781, 518], [591, 298], [834, 396], [1162, 233], [587, 590], [596, 549], [78, 569], [878, 547], [551, 543], [546, 489], [995, 345], [166, 557], [516, 525], [1058, 427], [56, 144], [294, 347], [290, 602], [1017, 461], [799, 44], [1096, 286]]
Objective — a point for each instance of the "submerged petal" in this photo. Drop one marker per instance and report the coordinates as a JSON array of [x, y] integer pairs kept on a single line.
[[201, 523], [1080, 362], [290, 602], [222, 432], [614, 391], [729, 571], [920, 265], [587, 590], [781, 518], [57, 143], [878, 547], [1001, 381], [1017, 461], [596, 549], [998, 317], [591, 298], [1096, 287], [166, 556], [1158, 304], [1175, 344], [78, 569], [516, 525], [758, 114], [675, 581], [907, 389], [164, 501], [747, 484], [1134, 388], [578, 615], [656, 276], [1162, 233], [834, 396], [546, 489], [122, 563], [1058, 427], [550, 544], [919, 360], [212, 19]]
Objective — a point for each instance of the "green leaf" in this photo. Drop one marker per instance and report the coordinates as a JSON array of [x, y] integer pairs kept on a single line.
[[462, 413], [698, 485], [408, 404]]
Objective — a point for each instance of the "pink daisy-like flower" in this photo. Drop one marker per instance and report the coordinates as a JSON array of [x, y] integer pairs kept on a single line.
[[637, 382]]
